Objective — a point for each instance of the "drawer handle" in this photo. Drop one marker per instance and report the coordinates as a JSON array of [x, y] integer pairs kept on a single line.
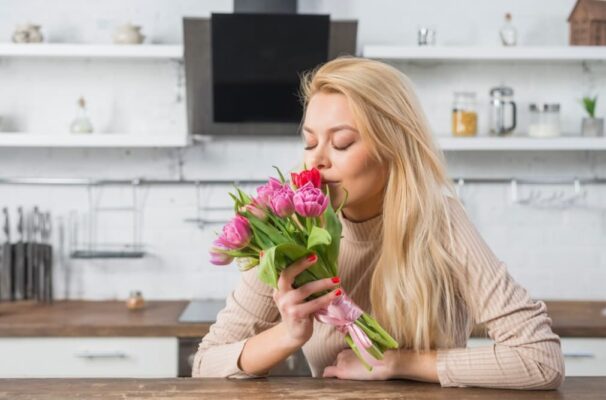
[[579, 355], [101, 355]]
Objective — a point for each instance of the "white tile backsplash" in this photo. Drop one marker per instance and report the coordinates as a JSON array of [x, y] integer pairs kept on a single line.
[[554, 253]]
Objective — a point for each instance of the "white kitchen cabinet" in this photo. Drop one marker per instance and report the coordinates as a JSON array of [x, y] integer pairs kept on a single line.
[[76, 357], [582, 356]]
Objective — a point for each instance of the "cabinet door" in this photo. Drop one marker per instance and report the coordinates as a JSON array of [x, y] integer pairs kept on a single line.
[[582, 356], [88, 357]]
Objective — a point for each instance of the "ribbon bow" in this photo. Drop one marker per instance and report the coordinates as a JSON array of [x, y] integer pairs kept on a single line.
[[343, 313]]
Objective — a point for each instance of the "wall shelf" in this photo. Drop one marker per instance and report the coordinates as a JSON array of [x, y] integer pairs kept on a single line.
[[117, 140], [521, 143], [527, 53], [117, 51]]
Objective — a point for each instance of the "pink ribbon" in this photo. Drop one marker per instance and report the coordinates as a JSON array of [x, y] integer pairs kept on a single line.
[[343, 313]]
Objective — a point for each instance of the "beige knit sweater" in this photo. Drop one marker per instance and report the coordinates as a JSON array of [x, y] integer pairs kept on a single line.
[[526, 354]]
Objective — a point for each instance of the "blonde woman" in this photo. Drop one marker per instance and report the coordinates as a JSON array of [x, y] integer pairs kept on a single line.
[[409, 255]]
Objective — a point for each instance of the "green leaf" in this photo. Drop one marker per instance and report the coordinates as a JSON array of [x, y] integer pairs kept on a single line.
[[245, 198], [589, 104], [262, 239], [318, 236], [267, 268], [333, 226], [276, 236], [280, 173]]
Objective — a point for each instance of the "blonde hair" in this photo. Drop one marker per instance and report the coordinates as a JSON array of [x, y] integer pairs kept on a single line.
[[418, 291]]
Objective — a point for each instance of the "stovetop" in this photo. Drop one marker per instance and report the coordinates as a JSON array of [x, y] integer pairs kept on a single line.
[[202, 310]]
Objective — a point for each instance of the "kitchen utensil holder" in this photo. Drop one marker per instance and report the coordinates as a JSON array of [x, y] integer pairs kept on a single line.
[[93, 249], [556, 199]]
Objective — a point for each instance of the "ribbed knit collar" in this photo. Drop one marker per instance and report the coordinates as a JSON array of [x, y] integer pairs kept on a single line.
[[365, 231]]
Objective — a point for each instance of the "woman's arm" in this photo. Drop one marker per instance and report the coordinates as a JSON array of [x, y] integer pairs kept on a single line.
[[250, 309], [526, 353], [266, 350]]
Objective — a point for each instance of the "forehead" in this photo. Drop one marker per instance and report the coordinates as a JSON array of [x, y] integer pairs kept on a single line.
[[328, 108]]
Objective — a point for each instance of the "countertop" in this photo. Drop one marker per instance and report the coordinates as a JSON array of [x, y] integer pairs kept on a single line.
[[96, 318], [577, 388], [160, 318]]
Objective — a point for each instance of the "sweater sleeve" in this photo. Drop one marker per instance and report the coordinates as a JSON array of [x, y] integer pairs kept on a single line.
[[526, 354], [249, 310]]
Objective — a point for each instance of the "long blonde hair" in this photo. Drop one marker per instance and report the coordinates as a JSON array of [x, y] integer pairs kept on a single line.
[[418, 291]]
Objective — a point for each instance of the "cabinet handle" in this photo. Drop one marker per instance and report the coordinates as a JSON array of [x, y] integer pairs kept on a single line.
[[579, 354], [101, 355]]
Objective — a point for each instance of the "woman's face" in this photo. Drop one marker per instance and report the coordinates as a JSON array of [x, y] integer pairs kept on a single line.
[[333, 145]]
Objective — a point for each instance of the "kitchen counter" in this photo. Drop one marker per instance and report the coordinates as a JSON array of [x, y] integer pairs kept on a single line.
[[160, 318], [577, 388], [96, 318]]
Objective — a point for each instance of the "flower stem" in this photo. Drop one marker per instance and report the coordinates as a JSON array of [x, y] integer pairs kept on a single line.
[[298, 223]]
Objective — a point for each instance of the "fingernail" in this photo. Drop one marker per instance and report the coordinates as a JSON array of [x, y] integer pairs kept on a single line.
[[312, 257], [336, 279], [338, 292]]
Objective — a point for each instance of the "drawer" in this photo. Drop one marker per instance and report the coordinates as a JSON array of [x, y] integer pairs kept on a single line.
[[582, 356], [88, 357]]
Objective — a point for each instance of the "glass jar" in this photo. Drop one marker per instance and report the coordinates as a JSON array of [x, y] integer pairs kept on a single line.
[[544, 120], [135, 301], [464, 115]]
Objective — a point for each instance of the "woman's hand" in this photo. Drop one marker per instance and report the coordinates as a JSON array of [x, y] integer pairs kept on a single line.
[[397, 364], [297, 314], [348, 366]]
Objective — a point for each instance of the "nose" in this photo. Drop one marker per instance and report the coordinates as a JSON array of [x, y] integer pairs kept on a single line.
[[317, 158]]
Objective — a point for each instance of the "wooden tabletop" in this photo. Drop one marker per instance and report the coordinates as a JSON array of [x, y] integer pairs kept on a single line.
[[160, 318], [96, 318], [577, 388]]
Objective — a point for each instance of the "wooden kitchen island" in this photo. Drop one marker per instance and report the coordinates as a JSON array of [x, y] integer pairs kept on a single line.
[[577, 388]]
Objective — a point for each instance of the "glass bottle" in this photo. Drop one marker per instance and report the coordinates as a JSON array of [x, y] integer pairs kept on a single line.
[[464, 115], [508, 32], [81, 124]]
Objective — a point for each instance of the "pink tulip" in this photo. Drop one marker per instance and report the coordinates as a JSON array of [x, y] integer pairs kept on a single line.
[[266, 192], [256, 211], [309, 201], [218, 258], [282, 201], [236, 234]]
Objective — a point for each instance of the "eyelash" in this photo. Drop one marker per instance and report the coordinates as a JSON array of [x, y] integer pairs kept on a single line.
[[336, 148]]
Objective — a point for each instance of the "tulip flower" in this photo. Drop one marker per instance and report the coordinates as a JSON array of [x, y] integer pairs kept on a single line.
[[310, 201], [282, 202], [218, 258], [303, 177], [266, 192], [236, 234], [256, 211]]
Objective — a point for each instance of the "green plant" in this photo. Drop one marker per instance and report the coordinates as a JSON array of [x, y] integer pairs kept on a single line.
[[589, 105]]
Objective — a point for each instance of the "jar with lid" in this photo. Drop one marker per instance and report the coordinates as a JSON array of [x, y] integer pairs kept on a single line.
[[544, 120], [135, 301], [464, 115]]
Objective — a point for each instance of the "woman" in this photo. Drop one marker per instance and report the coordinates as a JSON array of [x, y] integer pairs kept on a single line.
[[409, 255]]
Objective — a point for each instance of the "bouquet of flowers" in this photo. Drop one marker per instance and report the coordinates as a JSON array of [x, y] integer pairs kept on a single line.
[[284, 222]]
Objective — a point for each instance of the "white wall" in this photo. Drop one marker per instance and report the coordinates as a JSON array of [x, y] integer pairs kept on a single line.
[[556, 254]]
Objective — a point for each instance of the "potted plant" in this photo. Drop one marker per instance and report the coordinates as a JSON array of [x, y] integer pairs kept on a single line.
[[591, 125]]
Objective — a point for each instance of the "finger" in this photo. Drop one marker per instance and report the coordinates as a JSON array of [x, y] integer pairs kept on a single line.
[[287, 277], [330, 372], [300, 294], [310, 307]]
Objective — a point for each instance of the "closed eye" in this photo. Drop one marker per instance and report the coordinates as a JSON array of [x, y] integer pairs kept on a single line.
[[334, 147]]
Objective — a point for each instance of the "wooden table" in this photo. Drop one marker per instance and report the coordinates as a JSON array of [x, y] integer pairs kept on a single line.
[[160, 318], [574, 388]]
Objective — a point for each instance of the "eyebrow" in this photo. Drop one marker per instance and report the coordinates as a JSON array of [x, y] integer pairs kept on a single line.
[[334, 128]]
